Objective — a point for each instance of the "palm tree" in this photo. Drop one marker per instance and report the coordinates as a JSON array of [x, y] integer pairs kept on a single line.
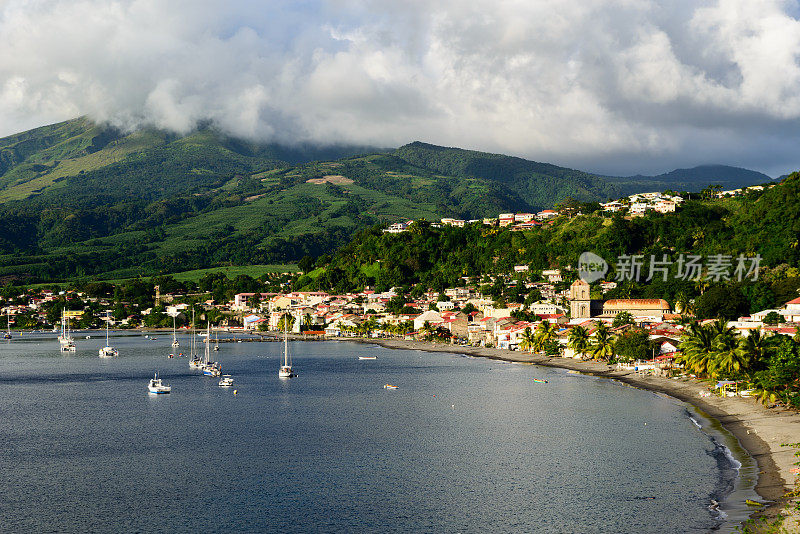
[[603, 346], [579, 340], [527, 341], [756, 349], [544, 333], [697, 348], [727, 361], [720, 328]]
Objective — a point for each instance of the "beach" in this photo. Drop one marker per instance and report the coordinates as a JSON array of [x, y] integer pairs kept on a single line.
[[763, 432]]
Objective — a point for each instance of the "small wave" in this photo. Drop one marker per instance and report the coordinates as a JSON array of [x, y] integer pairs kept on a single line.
[[696, 423]]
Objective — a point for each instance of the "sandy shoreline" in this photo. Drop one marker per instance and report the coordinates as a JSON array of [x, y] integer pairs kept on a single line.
[[761, 431]]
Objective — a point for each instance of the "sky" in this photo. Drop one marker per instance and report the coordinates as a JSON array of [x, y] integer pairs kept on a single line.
[[617, 87]]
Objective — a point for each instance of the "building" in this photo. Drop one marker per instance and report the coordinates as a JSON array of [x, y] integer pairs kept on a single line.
[[641, 308], [581, 304], [553, 275], [506, 219], [545, 215]]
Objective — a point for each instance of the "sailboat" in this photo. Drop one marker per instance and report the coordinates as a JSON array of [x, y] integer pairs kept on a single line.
[[194, 360], [174, 338], [210, 368], [286, 369], [65, 339], [7, 335], [108, 351]]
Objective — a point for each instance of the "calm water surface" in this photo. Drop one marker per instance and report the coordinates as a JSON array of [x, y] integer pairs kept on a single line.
[[464, 445]]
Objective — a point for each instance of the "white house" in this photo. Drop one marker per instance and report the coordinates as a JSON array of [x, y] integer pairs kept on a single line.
[[432, 317]]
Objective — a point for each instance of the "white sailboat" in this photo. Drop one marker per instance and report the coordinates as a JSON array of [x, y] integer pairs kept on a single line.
[[174, 337], [108, 351], [210, 368], [65, 339], [194, 360], [285, 370], [7, 335]]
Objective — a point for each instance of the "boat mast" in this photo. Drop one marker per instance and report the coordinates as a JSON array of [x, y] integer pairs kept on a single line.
[[106, 328], [208, 340], [285, 341], [194, 341], [173, 329]]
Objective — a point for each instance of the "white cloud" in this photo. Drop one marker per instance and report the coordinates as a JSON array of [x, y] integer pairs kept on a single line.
[[616, 86]]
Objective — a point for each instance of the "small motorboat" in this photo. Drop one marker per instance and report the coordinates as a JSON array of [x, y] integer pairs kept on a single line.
[[367, 357], [540, 380], [226, 382], [171, 356], [389, 386], [157, 387]]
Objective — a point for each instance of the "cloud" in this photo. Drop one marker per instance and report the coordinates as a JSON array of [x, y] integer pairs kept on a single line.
[[613, 86]]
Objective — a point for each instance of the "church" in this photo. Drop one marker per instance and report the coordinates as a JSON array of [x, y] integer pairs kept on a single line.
[[582, 306]]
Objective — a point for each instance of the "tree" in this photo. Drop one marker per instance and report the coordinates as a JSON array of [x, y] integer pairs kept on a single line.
[[725, 301], [727, 361], [696, 349], [603, 345], [633, 345], [579, 340], [527, 341], [622, 319], [544, 334], [756, 349], [286, 322], [772, 318]]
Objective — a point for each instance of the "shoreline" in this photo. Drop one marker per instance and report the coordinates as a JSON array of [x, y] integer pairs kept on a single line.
[[760, 431]]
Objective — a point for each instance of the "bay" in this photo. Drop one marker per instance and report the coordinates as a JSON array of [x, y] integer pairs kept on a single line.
[[463, 444]]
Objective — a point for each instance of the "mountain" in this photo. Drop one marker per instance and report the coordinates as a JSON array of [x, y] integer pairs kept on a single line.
[[540, 185], [83, 199], [693, 179]]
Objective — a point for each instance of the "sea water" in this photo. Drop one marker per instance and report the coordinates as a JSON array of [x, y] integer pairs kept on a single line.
[[463, 444]]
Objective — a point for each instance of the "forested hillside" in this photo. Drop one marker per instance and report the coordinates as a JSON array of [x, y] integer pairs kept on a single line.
[[87, 200], [765, 223]]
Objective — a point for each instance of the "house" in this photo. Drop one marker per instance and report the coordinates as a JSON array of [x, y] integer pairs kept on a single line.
[[399, 227], [506, 219], [553, 275], [639, 208], [613, 206], [454, 222], [665, 206], [524, 217], [545, 215], [430, 316], [521, 268]]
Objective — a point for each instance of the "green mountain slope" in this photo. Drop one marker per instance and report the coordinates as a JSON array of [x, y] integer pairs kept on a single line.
[[541, 185], [82, 199]]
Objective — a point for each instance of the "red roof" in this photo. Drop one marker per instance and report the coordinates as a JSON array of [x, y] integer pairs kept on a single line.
[[795, 301]]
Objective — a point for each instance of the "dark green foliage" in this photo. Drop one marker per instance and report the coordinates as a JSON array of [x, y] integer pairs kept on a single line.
[[634, 345], [725, 301], [540, 185]]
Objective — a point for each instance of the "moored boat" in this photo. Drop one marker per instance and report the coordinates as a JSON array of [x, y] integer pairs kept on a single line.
[[227, 381], [157, 387]]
